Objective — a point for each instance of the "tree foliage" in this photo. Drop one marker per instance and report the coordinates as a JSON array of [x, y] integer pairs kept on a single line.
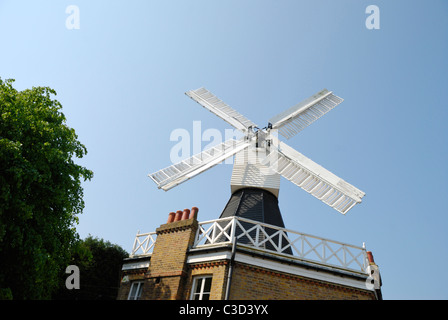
[[41, 191]]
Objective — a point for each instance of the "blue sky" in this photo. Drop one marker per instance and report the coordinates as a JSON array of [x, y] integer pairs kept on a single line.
[[121, 79]]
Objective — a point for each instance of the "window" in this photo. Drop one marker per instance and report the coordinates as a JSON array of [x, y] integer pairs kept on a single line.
[[136, 290], [201, 288]]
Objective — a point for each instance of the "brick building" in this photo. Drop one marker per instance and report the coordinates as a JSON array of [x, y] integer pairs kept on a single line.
[[248, 253], [237, 258]]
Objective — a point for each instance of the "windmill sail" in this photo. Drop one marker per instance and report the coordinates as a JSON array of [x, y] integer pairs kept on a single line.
[[266, 158], [212, 103], [313, 178], [300, 116], [180, 172]]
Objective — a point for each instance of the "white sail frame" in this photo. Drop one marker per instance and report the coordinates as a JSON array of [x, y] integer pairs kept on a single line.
[[175, 174], [215, 105], [303, 114], [313, 178]]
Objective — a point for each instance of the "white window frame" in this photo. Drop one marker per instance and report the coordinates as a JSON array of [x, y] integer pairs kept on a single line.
[[201, 291], [138, 290]]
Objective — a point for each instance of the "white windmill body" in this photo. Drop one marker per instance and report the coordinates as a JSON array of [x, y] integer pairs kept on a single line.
[[261, 158], [249, 171]]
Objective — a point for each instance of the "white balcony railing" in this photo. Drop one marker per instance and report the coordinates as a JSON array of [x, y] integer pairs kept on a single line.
[[270, 239], [289, 243], [143, 244]]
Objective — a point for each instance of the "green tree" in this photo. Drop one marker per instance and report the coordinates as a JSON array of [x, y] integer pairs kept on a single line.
[[99, 264], [40, 191]]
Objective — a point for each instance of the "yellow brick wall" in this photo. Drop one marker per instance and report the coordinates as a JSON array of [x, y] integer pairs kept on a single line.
[[167, 273], [250, 283], [170, 252]]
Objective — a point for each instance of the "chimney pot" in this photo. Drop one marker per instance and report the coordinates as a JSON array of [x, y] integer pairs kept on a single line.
[[171, 217], [370, 257], [194, 213], [178, 215], [186, 214]]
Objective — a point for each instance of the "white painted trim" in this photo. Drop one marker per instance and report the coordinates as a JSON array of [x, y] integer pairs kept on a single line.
[[135, 265], [211, 256]]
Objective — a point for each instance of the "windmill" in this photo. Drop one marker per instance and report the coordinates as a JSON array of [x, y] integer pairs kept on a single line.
[[261, 158]]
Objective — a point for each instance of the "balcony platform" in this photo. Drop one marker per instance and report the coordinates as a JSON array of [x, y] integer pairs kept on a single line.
[[269, 241]]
